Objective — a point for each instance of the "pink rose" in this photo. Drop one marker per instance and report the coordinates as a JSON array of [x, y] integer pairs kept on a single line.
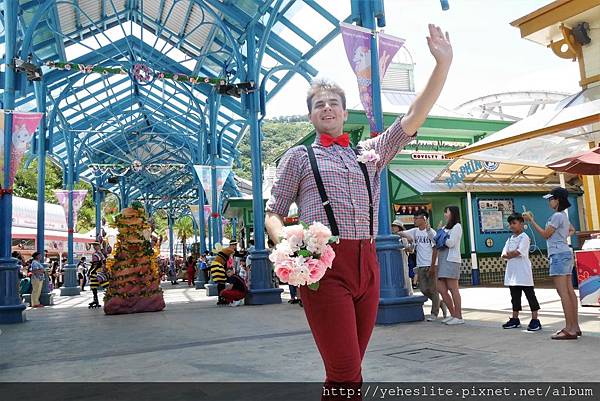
[[316, 270], [283, 270], [281, 253], [327, 256], [294, 235], [319, 233]]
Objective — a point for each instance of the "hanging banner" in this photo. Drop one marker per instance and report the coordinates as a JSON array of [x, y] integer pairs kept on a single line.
[[63, 198], [357, 42], [195, 209], [207, 211], [196, 214], [204, 174], [23, 127], [388, 47]]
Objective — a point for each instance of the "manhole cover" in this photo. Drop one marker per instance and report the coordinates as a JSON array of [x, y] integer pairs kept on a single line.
[[424, 354]]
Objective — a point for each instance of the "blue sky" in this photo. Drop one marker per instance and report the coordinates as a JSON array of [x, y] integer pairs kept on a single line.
[[489, 54]]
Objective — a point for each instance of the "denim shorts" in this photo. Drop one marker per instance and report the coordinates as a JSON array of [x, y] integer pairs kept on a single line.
[[561, 264]]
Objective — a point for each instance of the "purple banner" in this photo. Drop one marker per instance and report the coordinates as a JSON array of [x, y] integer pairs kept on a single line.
[[63, 198], [357, 42], [388, 47], [23, 127]]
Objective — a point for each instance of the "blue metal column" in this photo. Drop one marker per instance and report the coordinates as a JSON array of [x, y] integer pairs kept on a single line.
[[98, 201], [214, 101], [171, 239], [11, 308], [261, 289], [395, 305], [211, 245], [202, 227], [123, 190], [40, 94], [71, 286], [234, 229]]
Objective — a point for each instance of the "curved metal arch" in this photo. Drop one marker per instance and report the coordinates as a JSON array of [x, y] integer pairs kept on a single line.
[[227, 32], [26, 48], [263, 84], [222, 132], [264, 40]]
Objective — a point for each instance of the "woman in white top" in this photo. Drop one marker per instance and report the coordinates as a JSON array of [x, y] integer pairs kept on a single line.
[[449, 260]]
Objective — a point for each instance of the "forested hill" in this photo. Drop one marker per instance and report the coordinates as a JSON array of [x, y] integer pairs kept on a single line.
[[278, 136]]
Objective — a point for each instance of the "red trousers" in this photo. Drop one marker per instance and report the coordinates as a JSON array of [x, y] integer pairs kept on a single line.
[[342, 312], [232, 295], [190, 276]]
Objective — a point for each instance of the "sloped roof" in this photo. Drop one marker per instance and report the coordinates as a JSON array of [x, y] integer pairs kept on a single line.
[[116, 119]]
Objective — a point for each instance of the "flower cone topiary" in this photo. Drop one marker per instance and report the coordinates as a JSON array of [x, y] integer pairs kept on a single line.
[[134, 277]]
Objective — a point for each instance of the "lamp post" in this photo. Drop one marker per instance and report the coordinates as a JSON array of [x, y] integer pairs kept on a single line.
[[395, 304], [11, 308], [261, 291]]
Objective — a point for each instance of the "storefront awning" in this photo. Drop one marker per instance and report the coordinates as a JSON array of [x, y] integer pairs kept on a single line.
[[31, 233], [545, 137], [503, 175], [433, 180]]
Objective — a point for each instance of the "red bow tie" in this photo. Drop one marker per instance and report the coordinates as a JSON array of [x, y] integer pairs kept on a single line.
[[342, 140]]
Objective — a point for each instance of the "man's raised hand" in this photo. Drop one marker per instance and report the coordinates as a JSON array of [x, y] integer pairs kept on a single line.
[[439, 45]]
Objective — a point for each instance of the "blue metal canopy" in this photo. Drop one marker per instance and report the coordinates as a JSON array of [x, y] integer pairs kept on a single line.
[[146, 135]]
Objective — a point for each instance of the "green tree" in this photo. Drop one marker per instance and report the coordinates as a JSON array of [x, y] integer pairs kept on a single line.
[[110, 207], [184, 229], [160, 222], [278, 136], [25, 186]]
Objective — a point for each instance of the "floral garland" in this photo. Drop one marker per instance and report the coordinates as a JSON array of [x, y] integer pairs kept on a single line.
[[141, 72]]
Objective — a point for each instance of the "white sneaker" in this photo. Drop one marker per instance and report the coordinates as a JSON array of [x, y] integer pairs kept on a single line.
[[431, 318], [237, 303], [454, 321], [447, 319]]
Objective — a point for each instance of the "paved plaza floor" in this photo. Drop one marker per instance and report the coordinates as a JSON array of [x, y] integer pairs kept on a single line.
[[194, 340]]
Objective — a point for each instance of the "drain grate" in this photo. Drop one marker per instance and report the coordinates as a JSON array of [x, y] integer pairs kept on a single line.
[[425, 354]]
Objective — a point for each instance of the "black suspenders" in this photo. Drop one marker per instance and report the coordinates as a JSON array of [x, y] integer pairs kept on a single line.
[[323, 194]]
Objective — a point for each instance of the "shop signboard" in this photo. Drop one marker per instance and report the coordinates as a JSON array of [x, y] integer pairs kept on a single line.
[[493, 215]]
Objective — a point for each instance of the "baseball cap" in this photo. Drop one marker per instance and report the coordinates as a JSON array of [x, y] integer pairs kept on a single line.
[[557, 193], [398, 223]]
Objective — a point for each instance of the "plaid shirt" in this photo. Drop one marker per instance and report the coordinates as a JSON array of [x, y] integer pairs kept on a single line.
[[343, 179]]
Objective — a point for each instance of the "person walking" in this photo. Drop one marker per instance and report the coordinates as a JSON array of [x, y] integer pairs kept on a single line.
[[558, 229], [330, 186], [82, 272], [97, 266], [407, 249], [422, 236], [38, 273], [191, 270], [448, 241]]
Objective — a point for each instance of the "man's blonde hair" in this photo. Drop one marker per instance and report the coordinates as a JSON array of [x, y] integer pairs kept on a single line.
[[323, 85]]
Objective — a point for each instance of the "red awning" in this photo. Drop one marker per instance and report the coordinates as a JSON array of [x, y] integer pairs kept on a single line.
[[586, 163]]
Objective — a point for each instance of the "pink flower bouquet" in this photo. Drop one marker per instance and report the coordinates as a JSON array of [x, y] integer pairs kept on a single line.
[[303, 254]]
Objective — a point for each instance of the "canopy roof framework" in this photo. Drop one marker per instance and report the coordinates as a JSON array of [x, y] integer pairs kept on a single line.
[[119, 121]]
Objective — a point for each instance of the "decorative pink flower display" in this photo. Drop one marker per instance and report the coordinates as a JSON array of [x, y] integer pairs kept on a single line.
[[303, 255], [368, 156]]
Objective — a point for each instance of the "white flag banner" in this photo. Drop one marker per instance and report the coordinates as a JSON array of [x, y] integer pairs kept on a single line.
[[205, 173]]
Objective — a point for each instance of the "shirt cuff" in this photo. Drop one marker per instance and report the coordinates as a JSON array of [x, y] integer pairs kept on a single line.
[[279, 206]]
